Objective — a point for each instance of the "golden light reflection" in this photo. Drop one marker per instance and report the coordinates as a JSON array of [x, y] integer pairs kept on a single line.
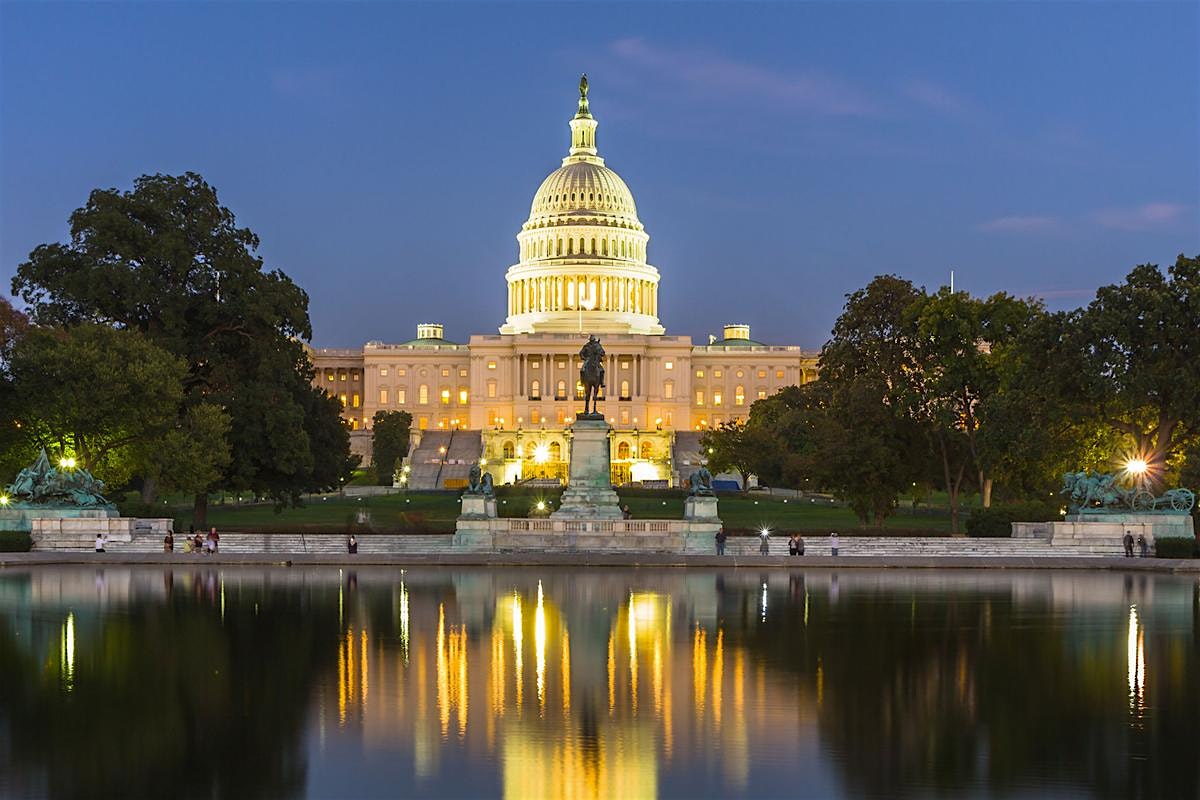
[[67, 655], [717, 686], [539, 643], [1136, 664], [404, 623], [633, 665], [566, 672], [518, 636], [699, 671], [579, 752]]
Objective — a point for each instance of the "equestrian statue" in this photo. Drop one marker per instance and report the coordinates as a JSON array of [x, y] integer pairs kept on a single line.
[[591, 375]]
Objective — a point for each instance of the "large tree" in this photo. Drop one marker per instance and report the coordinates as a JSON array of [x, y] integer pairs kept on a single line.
[[737, 446], [389, 442], [867, 448], [168, 260], [1132, 358]]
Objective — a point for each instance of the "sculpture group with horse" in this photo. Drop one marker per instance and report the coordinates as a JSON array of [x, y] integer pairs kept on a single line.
[[1100, 493]]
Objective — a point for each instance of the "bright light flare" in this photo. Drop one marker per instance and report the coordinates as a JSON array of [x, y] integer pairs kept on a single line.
[[67, 463], [541, 454], [1136, 466]]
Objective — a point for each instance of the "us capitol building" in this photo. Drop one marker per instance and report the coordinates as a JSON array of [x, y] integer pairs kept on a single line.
[[509, 397]]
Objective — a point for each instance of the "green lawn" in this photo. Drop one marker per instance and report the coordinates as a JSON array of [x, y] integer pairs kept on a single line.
[[436, 512]]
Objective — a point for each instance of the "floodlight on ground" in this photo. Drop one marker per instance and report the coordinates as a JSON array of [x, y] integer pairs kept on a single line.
[[541, 505], [67, 463], [1136, 466], [3, 499]]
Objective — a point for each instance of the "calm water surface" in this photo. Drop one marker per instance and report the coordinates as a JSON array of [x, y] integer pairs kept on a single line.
[[528, 683]]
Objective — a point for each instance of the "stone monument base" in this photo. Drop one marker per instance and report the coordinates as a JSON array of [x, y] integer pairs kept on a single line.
[[478, 506], [79, 533], [1085, 528], [700, 507], [589, 493], [20, 517]]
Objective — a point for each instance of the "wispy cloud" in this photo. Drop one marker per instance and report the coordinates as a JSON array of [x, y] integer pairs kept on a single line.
[[705, 74], [1019, 224], [941, 100], [1140, 218]]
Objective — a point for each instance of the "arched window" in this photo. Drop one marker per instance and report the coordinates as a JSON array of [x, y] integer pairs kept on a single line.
[[624, 390], [555, 451], [623, 451], [593, 250], [570, 247], [423, 394], [647, 451], [561, 392], [535, 390], [509, 451], [739, 395], [604, 246], [558, 248]]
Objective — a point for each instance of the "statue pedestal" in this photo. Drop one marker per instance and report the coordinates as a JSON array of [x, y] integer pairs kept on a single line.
[[700, 507], [478, 506], [589, 493], [1098, 528], [20, 516]]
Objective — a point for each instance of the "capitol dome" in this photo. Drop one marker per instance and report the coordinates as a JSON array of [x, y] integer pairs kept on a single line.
[[582, 251]]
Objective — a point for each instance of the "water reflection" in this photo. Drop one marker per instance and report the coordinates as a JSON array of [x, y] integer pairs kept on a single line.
[[601, 683]]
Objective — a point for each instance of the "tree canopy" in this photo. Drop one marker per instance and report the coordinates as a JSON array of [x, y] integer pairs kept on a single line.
[[167, 260]]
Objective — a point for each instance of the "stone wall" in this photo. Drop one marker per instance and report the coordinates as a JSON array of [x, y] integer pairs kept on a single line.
[[64, 533]]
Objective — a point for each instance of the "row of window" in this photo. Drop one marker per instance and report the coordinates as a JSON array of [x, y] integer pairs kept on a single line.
[[739, 396], [561, 417], [535, 393], [762, 373]]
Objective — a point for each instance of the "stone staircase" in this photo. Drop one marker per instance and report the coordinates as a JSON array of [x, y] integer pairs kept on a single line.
[[427, 458], [465, 449], [920, 546]]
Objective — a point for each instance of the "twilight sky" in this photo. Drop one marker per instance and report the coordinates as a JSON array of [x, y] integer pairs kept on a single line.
[[781, 155]]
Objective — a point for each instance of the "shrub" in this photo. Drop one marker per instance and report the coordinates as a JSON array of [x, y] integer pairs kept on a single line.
[[1175, 547], [996, 522], [15, 542]]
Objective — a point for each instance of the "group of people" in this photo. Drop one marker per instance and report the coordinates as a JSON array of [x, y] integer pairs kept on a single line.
[[194, 542], [795, 543]]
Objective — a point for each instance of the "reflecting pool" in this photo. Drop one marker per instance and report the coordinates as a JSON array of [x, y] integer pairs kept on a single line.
[[550, 682]]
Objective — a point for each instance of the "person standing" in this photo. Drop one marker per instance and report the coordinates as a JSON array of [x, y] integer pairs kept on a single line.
[[101, 540], [625, 512], [214, 538], [1127, 540], [764, 542], [721, 541], [792, 545], [833, 543], [352, 544], [169, 543], [799, 545], [1143, 547]]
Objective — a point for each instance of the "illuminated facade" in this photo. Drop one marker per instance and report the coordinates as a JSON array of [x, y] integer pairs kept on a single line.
[[582, 268]]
